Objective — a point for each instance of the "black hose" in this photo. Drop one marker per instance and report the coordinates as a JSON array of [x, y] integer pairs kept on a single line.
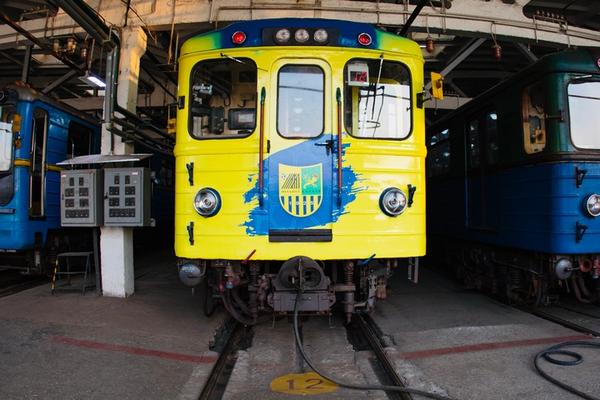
[[576, 358], [386, 388]]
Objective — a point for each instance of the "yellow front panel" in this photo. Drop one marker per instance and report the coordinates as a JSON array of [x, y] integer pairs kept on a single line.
[[359, 228]]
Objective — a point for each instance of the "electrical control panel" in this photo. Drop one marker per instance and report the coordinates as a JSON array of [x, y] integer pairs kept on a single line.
[[127, 195], [81, 197]]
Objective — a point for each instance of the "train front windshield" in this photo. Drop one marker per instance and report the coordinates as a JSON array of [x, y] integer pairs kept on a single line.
[[584, 103], [6, 153]]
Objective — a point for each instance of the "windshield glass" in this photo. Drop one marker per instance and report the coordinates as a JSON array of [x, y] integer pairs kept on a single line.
[[377, 99], [6, 113], [223, 98], [584, 103]]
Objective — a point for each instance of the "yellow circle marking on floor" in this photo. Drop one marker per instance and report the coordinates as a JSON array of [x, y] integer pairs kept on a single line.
[[307, 383]]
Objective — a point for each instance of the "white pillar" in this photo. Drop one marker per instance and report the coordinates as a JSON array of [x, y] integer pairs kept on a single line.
[[116, 244]]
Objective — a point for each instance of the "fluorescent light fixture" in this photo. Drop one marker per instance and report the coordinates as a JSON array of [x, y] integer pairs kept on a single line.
[[92, 80]]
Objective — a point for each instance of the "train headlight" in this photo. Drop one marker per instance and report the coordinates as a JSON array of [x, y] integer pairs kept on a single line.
[[392, 202], [282, 36], [321, 36], [592, 205], [207, 202], [301, 35]]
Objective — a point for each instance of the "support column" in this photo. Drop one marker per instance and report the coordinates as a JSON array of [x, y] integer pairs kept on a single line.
[[116, 244]]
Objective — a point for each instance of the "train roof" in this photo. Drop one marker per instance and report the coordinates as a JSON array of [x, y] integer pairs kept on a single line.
[[585, 61], [30, 94], [344, 34]]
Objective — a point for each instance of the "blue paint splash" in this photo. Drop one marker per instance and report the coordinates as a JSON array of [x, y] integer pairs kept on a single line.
[[273, 216]]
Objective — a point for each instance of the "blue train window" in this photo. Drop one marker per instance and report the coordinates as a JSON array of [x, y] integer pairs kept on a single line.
[[534, 119], [439, 158], [7, 112], [491, 137], [222, 101], [473, 143], [584, 103], [37, 185], [300, 101], [379, 107], [79, 140]]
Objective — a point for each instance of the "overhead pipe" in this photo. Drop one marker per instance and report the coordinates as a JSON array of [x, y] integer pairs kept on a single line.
[[412, 18], [7, 20], [89, 20]]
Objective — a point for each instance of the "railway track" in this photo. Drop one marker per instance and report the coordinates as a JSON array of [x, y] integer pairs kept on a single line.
[[11, 283], [559, 320], [387, 373], [233, 335]]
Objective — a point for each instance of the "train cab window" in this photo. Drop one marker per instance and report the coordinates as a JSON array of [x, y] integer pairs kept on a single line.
[[377, 99], [223, 98], [79, 140], [37, 170], [584, 118], [491, 137], [534, 119], [473, 143], [300, 101], [7, 112]]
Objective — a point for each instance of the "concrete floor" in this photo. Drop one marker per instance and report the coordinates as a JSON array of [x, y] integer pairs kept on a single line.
[[474, 347], [155, 345], [69, 346]]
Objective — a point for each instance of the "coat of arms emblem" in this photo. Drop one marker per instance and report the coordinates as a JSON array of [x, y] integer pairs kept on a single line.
[[300, 189]]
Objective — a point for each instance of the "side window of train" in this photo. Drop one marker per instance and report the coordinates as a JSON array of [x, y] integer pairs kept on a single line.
[[79, 140], [534, 119], [491, 136], [222, 98], [377, 99], [300, 101], [473, 143], [37, 181], [438, 159]]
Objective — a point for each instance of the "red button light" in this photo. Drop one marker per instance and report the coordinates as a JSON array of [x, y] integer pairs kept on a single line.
[[364, 39], [238, 37]]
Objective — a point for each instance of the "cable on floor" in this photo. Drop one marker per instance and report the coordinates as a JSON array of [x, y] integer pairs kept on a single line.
[[573, 358]]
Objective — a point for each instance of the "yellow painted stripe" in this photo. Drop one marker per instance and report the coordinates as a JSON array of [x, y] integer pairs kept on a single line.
[[21, 162]]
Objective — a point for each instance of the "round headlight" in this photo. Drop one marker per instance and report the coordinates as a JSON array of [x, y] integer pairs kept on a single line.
[[321, 36], [563, 268], [301, 35], [282, 36], [592, 205], [392, 201], [207, 202]]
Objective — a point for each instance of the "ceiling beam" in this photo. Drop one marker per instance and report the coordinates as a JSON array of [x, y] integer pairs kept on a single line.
[[459, 57]]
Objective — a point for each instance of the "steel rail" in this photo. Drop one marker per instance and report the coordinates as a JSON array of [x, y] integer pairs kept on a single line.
[[370, 334], [558, 320], [209, 391]]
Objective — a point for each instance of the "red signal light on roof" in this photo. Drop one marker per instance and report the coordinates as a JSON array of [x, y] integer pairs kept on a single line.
[[238, 37], [364, 39]]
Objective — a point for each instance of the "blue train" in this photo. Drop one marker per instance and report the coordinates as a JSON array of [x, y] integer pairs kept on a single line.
[[36, 132], [514, 183]]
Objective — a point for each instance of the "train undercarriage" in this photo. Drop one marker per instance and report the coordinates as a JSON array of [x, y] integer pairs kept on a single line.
[[523, 277], [250, 289]]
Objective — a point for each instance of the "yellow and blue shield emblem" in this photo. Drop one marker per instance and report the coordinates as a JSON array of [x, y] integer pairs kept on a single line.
[[301, 189]]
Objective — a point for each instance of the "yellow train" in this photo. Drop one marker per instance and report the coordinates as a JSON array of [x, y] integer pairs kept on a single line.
[[300, 163]]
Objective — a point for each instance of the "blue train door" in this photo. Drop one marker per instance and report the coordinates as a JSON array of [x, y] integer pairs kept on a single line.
[[300, 160], [482, 183]]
